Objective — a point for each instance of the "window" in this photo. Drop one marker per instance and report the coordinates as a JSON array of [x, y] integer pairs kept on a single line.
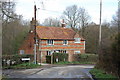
[[65, 42], [50, 42], [48, 52], [77, 40], [77, 52], [21, 51]]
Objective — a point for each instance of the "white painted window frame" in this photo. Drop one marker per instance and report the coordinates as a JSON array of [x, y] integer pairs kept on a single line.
[[22, 52], [66, 42], [50, 44], [78, 41], [77, 52]]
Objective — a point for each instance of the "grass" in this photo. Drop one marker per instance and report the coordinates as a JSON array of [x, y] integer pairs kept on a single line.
[[75, 62], [23, 66], [102, 75]]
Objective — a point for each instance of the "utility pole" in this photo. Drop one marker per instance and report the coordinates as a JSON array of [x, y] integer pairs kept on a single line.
[[35, 36], [100, 23], [100, 45]]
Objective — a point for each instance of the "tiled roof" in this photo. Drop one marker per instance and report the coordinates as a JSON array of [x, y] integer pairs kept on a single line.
[[55, 32]]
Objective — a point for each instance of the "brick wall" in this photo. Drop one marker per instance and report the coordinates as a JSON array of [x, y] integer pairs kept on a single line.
[[28, 47], [58, 45]]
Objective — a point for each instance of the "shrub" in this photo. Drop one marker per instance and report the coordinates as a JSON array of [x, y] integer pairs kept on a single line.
[[48, 59], [16, 58], [85, 57], [60, 56], [102, 75]]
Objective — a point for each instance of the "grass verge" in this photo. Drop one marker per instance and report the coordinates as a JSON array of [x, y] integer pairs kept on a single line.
[[75, 62], [23, 66], [102, 75]]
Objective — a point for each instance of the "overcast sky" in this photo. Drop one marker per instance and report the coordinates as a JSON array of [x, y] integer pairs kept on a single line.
[[56, 7]]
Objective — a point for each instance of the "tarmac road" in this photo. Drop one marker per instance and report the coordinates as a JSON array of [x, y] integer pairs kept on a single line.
[[71, 71]]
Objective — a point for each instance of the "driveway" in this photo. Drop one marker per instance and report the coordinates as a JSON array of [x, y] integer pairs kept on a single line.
[[71, 71]]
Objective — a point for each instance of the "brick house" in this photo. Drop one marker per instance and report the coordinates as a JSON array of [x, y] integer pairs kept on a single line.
[[53, 39]]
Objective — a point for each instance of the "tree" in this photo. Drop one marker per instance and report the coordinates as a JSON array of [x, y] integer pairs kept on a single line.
[[76, 17], [116, 19], [13, 29], [8, 11], [51, 22]]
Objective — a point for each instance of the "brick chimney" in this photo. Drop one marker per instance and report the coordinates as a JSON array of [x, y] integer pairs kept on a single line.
[[63, 23]]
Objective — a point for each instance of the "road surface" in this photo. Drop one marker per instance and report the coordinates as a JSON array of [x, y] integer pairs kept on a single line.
[[71, 71]]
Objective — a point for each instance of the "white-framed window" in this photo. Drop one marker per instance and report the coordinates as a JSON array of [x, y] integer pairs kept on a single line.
[[77, 52], [48, 52], [50, 42], [77, 40], [22, 52], [65, 42]]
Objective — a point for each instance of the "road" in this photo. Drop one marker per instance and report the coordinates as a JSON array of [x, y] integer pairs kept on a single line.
[[71, 71]]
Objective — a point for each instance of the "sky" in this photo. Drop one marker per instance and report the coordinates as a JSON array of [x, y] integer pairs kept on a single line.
[[55, 8]]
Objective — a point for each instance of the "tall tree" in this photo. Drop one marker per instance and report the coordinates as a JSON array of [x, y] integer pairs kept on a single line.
[[13, 29], [51, 22], [76, 18]]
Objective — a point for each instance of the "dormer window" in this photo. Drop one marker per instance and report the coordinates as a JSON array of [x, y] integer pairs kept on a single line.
[[50, 42], [65, 42], [77, 40]]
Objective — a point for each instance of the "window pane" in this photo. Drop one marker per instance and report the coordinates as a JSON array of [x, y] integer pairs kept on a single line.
[[64, 41], [77, 39], [49, 41], [21, 51]]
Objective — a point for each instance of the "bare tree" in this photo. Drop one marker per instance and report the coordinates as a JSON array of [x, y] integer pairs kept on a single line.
[[51, 22], [13, 28], [8, 14], [116, 19], [76, 17]]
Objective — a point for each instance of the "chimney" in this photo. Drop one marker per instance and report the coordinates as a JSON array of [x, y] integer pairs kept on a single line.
[[63, 23]]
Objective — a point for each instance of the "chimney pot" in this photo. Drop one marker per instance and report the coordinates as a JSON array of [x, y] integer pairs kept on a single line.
[[63, 23]]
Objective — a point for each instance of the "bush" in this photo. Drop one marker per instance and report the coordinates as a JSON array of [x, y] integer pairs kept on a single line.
[[60, 56], [16, 58], [48, 59], [102, 75], [24, 66], [85, 57]]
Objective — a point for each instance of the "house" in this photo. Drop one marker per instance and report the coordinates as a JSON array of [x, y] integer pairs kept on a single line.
[[53, 39]]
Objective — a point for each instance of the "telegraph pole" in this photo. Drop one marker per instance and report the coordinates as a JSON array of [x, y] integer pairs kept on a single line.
[[35, 36], [100, 23], [100, 44]]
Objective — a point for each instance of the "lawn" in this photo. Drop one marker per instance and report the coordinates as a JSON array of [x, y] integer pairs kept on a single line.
[[23, 66], [102, 75], [75, 62]]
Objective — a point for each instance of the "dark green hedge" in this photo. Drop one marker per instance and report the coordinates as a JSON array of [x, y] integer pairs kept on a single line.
[[48, 59], [16, 58], [85, 57], [60, 56], [54, 56]]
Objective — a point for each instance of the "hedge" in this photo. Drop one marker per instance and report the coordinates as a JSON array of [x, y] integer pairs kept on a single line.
[[85, 57], [16, 58], [59, 56]]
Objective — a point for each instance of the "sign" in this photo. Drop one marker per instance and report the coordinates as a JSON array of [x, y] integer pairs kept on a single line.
[[25, 59]]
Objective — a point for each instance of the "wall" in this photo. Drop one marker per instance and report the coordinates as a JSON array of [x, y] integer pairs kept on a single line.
[[58, 45]]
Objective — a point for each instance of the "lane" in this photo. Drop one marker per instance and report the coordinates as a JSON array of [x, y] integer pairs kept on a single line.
[[71, 71], [63, 72]]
